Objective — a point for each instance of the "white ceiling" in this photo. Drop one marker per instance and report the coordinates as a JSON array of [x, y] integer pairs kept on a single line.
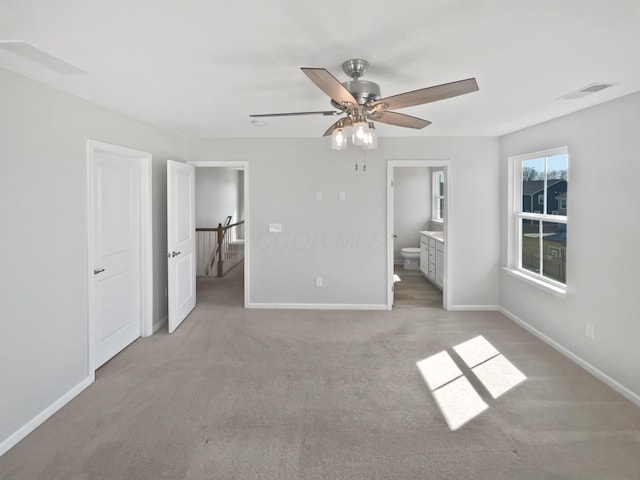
[[200, 67]]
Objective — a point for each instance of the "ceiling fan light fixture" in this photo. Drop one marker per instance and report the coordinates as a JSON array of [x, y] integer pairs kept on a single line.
[[360, 101], [371, 138], [339, 139], [360, 132]]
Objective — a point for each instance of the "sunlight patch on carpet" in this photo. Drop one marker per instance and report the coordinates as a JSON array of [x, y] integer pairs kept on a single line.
[[456, 397]]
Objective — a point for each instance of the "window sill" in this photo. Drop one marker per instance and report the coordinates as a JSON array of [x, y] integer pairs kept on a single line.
[[541, 284], [437, 220]]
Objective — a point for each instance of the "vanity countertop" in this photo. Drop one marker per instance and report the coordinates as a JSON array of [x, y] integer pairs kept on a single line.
[[439, 236]]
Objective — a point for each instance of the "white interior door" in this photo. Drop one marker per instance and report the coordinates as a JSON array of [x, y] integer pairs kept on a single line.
[[116, 253], [181, 241]]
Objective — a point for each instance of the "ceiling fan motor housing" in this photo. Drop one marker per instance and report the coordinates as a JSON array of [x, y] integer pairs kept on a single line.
[[363, 91]]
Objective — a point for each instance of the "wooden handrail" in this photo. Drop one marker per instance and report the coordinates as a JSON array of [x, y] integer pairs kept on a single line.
[[215, 229]]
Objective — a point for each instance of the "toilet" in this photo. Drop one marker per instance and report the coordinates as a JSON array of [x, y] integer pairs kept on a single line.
[[411, 257]]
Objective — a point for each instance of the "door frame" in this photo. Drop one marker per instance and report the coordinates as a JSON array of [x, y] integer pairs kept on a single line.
[[145, 239], [446, 167], [244, 165]]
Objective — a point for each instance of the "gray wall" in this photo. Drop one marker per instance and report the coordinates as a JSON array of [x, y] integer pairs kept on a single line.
[[603, 232], [43, 199], [411, 206], [345, 241], [218, 194]]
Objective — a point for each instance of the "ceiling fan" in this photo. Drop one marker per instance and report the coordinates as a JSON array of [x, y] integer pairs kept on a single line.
[[360, 100]]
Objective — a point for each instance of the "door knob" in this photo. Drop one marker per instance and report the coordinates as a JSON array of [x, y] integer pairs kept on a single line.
[[97, 271], [174, 254]]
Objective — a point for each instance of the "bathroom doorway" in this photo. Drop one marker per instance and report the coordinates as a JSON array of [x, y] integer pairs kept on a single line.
[[418, 215]]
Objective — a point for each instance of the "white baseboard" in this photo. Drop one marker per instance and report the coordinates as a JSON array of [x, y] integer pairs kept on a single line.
[[474, 308], [157, 326], [317, 306], [617, 386], [39, 419]]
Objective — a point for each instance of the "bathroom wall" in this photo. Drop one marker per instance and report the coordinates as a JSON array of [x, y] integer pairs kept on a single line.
[[412, 206]]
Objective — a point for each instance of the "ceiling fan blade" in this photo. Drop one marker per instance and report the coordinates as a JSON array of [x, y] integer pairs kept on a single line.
[[429, 94], [328, 113], [400, 119], [346, 122], [329, 85]]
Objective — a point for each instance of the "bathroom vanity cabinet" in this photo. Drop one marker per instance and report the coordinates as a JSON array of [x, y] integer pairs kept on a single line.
[[432, 256]]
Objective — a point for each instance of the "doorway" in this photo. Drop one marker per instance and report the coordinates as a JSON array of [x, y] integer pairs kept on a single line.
[[233, 177], [411, 182], [119, 249]]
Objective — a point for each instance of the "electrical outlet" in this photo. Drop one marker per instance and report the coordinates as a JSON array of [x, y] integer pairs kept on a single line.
[[342, 195], [590, 331], [318, 281]]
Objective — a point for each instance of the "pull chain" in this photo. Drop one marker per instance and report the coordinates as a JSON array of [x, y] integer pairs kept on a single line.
[[364, 162]]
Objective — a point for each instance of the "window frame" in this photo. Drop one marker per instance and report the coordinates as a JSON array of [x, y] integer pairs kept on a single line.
[[517, 217], [436, 211]]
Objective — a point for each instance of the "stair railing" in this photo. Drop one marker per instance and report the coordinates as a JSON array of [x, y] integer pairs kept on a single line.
[[219, 249]]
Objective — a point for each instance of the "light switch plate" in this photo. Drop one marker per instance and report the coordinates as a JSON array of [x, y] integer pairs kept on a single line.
[[318, 195], [275, 227]]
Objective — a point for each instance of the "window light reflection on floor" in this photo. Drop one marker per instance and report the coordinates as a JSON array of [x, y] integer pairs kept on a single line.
[[498, 375], [456, 397], [475, 351]]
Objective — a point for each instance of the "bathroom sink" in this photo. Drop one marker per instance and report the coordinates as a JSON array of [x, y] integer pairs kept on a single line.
[[435, 235]]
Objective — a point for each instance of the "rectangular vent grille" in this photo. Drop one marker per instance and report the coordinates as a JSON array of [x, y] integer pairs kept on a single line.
[[588, 90]]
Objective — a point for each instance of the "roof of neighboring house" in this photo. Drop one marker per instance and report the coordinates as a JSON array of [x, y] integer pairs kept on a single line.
[[562, 196], [532, 187]]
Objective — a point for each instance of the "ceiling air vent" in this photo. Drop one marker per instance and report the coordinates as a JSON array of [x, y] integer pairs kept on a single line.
[[588, 90]]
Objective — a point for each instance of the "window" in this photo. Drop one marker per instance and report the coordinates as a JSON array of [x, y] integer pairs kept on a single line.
[[539, 236], [437, 188]]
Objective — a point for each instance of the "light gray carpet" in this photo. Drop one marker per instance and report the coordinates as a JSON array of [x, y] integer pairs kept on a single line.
[[253, 394]]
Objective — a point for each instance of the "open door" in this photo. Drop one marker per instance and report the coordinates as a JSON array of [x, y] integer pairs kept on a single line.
[[181, 241]]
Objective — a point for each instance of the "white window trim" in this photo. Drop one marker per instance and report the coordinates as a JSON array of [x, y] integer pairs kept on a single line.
[[548, 286], [515, 213], [436, 215]]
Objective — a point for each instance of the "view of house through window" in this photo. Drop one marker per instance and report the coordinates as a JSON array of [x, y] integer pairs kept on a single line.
[[541, 217]]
